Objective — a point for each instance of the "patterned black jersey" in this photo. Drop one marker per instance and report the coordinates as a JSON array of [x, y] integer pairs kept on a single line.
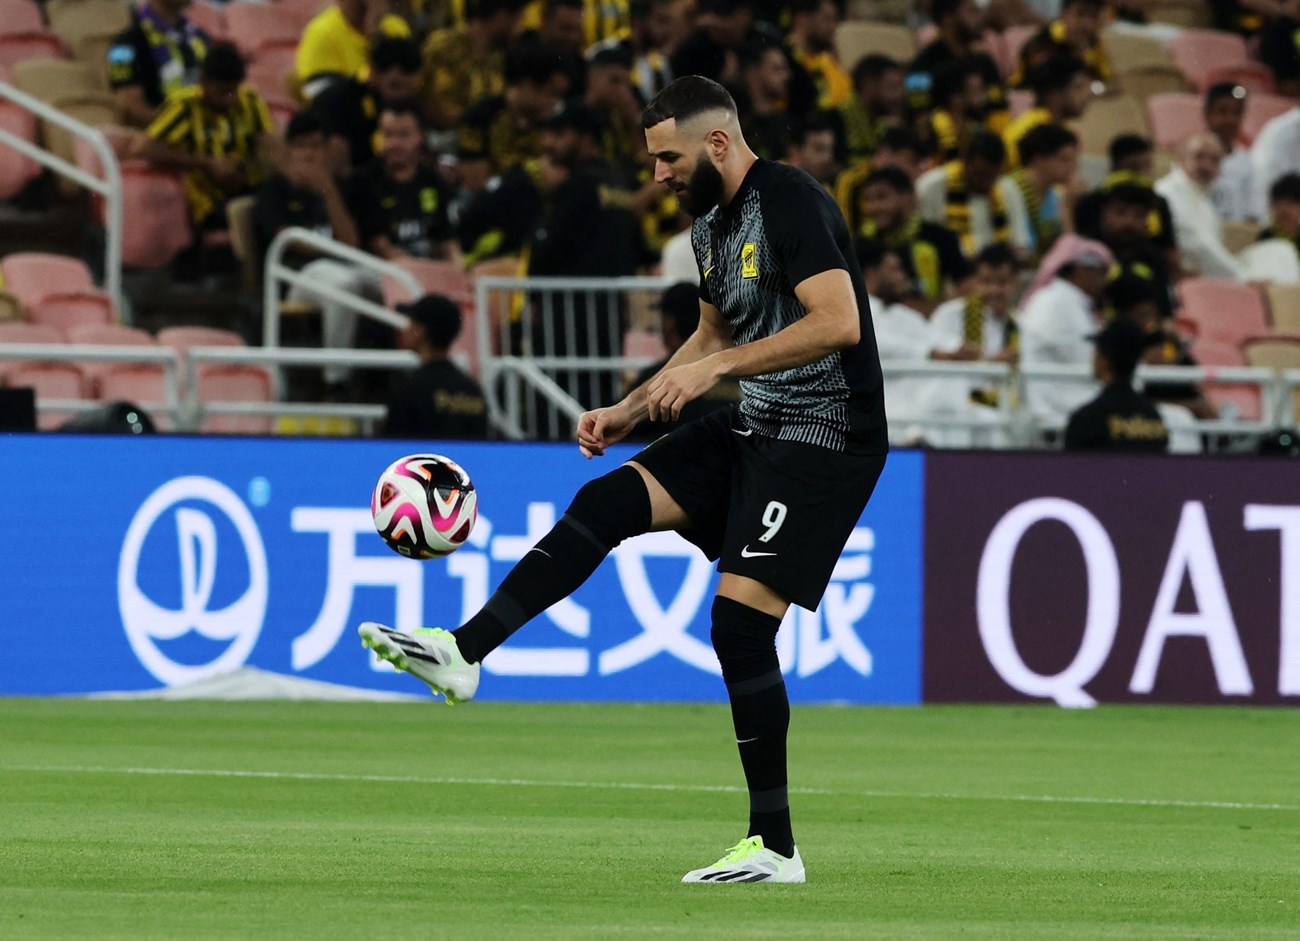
[[780, 229]]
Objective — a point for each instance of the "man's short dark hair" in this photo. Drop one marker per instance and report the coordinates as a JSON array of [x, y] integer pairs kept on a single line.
[[1055, 74], [986, 146], [685, 98], [404, 107], [901, 138], [872, 66], [1220, 90], [533, 62], [554, 5], [950, 79], [1097, 5], [1128, 291], [223, 64], [894, 177], [302, 124], [1044, 141], [997, 255], [1129, 194], [1123, 146], [1285, 189], [940, 10], [815, 123], [395, 52], [872, 253], [486, 9], [619, 57]]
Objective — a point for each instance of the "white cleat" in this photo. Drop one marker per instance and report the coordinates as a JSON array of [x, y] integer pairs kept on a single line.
[[427, 653], [749, 861]]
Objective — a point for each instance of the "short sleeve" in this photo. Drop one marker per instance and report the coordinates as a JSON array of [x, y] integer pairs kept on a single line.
[[124, 60], [802, 226], [171, 124], [702, 253]]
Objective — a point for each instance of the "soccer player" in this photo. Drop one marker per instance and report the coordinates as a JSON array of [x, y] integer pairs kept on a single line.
[[770, 488]]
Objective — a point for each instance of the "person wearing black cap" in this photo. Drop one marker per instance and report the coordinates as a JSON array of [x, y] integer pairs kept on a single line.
[[1120, 418], [437, 400], [679, 316]]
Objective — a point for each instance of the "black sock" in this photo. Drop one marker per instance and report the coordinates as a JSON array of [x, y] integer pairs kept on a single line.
[[604, 513], [744, 639]]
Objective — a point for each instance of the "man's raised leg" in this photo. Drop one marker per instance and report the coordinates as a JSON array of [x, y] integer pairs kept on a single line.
[[623, 503]]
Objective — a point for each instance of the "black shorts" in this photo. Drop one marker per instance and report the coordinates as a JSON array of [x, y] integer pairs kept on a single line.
[[778, 512]]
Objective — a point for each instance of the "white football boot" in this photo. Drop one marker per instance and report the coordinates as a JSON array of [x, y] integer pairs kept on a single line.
[[749, 861], [427, 653]]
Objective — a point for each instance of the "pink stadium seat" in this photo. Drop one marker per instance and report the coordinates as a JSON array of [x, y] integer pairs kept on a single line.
[[302, 11], [19, 332], [253, 25], [1223, 311], [105, 335], [16, 171], [1174, 117], [209, 17], [1255, 77], [64, 311], [436, 277], [1260, 109], [51, 381], [267, 73], [155, 217], [1243, 399], [645, 344], [19, 48], [145, 386], [233, 383], [1197, 51], [1014, 39], [19, 17], [181, 339]]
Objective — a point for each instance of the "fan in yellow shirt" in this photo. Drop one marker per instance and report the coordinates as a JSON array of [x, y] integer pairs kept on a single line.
[[336, 43], [812, 40]]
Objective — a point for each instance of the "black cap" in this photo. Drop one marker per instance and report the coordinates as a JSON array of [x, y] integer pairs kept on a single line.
[[438, 315], [1122, 342], [576, 116], [680, 298]]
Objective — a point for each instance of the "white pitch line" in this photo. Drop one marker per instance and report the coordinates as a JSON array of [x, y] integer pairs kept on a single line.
[[633, 786]]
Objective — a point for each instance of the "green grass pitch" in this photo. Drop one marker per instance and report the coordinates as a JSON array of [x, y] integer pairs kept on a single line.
[[489, 821]]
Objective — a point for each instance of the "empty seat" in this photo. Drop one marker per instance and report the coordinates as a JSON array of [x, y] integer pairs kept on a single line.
[[270, 71], [435, 277], [1135, 51], [235, 383], [1223, 311], [55, 80], [155, 217], [16, 170], [1260, 109], [1189, 13], [209, 17], [20, 16], [64, 311], [51, 381], [35, 277], [19, 48], [853, 40], [1197, 51], [106, 335], [1107, 118], [182, 339], [1253, 76], [1156, 80], [15, 333], [302, 11], [145, 386], [253, 25], [1231, 399], [1284, 307], [1174, 118]]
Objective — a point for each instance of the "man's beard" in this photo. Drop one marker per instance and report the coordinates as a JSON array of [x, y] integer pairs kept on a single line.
[[703, 190]]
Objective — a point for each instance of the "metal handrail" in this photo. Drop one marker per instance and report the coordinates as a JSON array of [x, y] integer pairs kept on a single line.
[[110, 187], [277, 273]]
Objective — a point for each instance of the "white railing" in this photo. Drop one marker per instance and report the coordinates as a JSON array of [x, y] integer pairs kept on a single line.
[[567, 337], [161, 356], [110, 188], [276, 274]]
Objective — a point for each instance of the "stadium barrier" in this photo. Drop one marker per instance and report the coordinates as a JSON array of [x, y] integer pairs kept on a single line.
[[163, 357], [110, 187], [549, 348]]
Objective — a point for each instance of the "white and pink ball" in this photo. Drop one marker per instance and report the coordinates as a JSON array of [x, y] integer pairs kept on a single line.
[[424, 506]]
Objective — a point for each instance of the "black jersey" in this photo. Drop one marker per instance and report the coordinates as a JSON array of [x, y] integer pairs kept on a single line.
[[780, 229], [411, 215]]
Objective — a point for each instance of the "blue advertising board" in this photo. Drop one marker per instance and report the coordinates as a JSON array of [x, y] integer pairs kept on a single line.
[[139, 563]]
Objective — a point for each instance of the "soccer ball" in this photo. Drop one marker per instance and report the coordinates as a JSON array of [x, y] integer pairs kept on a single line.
[[424, 506]]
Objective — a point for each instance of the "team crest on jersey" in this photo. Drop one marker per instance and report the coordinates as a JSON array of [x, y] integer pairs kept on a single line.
[[749, 261], [428, 199]]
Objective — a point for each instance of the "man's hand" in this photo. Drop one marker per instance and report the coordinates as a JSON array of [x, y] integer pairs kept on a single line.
[[668, 392], [316, 178], [225, 169], [602, 427]]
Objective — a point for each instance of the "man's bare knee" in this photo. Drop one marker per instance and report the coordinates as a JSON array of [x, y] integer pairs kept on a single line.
[[665, 513]]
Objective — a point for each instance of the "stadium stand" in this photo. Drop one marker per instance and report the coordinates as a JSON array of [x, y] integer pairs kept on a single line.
[[105, 335], [50, 381], [1197, 52], [855, 40]]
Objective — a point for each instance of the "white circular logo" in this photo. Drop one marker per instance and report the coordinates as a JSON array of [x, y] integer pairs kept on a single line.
[[145, 622]]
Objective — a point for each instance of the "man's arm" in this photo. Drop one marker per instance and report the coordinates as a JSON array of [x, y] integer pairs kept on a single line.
[[831, 323]]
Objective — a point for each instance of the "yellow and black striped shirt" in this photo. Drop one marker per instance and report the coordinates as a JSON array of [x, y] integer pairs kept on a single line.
[[186, 123]]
